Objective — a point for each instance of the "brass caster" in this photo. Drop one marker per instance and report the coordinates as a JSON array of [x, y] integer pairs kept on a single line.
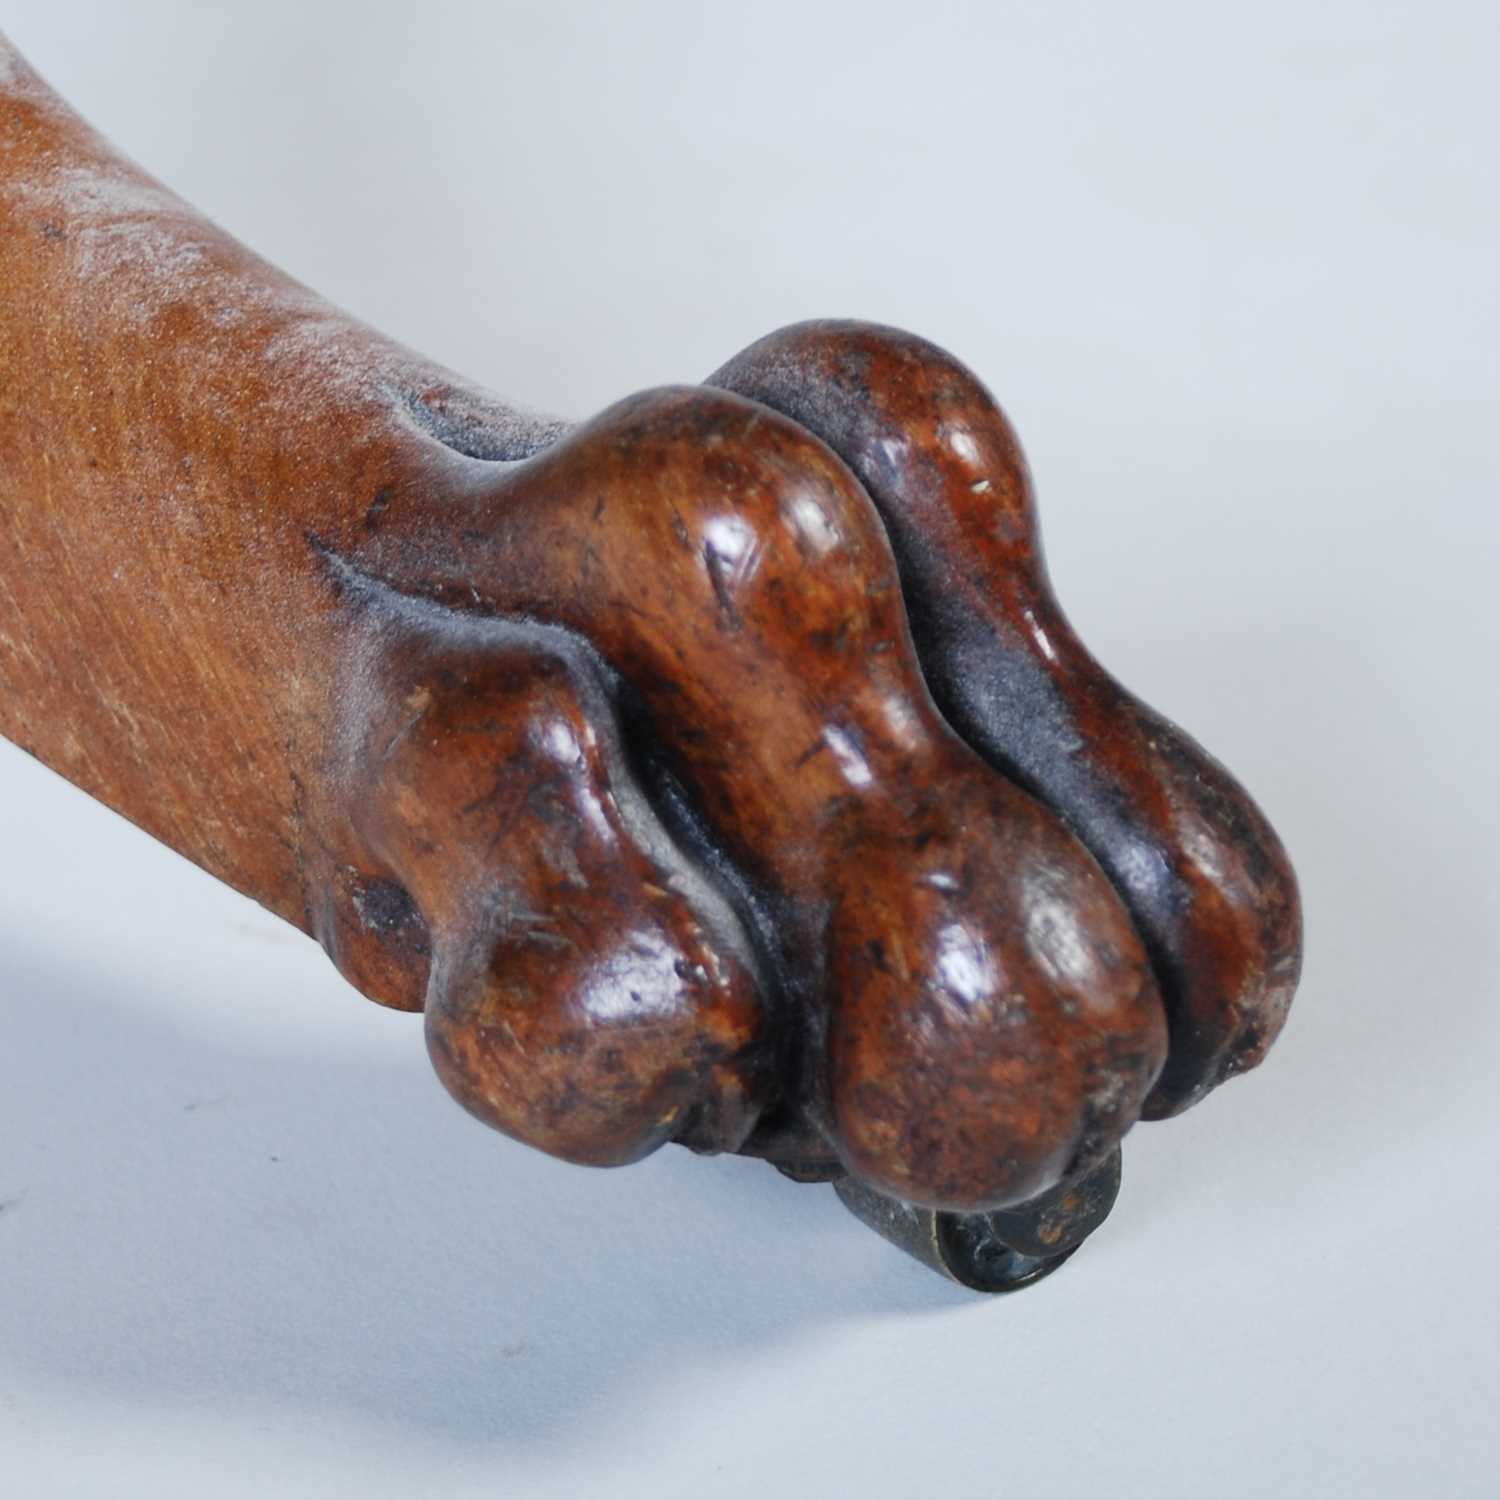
[[995, 1252]]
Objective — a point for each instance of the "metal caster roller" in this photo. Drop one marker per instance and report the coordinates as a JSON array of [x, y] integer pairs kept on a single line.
[[995, 1252]]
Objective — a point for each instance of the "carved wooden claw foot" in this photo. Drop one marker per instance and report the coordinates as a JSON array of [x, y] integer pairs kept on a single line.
[[721, 770]]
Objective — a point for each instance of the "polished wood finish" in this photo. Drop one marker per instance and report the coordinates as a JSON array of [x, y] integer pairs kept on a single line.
[[719, 770], [1202, 871]]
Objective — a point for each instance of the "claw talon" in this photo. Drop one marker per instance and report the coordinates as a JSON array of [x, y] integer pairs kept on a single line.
[[1203, 873]]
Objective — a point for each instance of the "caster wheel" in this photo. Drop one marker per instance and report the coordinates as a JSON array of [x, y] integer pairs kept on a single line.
[[995, 1252]]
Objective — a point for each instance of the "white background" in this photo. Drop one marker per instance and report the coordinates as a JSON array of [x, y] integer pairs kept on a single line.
[[1232, 269]]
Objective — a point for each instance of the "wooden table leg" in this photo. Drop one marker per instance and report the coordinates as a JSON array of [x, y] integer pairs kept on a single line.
[[720, 770]]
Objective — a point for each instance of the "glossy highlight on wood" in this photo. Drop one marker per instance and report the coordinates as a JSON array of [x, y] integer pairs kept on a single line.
[[720, 770]]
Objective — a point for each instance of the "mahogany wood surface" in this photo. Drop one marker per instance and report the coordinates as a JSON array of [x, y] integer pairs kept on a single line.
[[719, 770]]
